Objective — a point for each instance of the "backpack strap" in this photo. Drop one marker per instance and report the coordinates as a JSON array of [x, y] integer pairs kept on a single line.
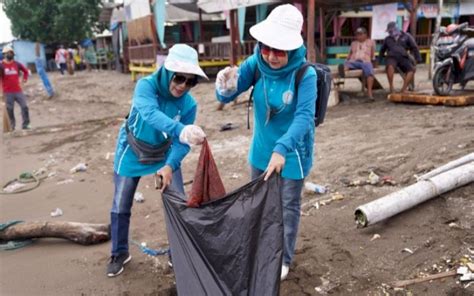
[[300, 75], [256, 77]]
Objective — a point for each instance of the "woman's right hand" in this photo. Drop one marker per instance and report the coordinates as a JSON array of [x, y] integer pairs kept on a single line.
[[192, 135], [226, 79]]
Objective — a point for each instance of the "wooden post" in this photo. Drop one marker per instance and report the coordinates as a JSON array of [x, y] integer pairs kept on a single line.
[[310, 32], [200, 26], [234, 38], [322, 36], [414, 9]]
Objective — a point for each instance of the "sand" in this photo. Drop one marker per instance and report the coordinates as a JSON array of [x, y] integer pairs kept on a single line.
[[397, 140]]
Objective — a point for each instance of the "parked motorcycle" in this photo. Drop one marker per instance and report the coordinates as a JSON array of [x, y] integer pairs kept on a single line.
[[454, 53]]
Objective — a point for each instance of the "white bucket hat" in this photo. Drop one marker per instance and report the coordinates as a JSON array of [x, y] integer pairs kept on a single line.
[[183, 58], [281, 29]]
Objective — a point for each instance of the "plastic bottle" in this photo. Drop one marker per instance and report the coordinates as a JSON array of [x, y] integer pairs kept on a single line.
[[320, 189]]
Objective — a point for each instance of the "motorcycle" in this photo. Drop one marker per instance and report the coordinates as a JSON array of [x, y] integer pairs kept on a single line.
[[454, 52]]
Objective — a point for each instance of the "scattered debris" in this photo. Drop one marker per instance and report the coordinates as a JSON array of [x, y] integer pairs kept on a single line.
[[67, 181], [138, 197], [373, 178], [404, 283], [80, 167], [228, 126], [466, 274], [57, 213], [14, 187], [454, 225], [470, 265], [326, 286], [316, 188], [408, 250], [108, 155], [236, 176], [376, 236]]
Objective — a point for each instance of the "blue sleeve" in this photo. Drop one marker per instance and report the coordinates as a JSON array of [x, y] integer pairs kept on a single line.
[[246, 75], [180, 150], [304, 115], [145, 102]]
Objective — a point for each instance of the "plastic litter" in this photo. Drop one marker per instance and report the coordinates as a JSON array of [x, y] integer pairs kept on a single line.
[[407, 250], [228, 126], [312, 187], [57, 213], [376, 236], [80, 167], [14, 187], [138, 197], [67, 181], [374, 178]]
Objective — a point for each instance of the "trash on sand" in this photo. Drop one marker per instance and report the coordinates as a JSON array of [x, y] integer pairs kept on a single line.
[[138, 197], [335, 196], [14, 187], [404, 283], [413, 195], [373, 178], [67, 181], [326, 286], [228, 126], [454, 225], [312, 187], [236, 176], [376, 236], [56, 213], [470, 265], [80, 167], [52, 174], [408, 251], [107, 156], [466, 274]]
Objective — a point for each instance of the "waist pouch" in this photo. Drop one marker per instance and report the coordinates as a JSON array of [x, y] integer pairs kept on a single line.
[[146, 153]]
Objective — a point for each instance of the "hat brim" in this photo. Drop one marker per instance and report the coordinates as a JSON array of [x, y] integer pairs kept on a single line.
[[182, 67], [275, 36]]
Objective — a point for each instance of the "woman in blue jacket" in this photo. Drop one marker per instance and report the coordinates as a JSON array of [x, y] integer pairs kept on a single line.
[[283, 134], [154, 139]]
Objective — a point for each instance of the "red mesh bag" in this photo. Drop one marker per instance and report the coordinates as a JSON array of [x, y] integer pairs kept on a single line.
[[207, 184]]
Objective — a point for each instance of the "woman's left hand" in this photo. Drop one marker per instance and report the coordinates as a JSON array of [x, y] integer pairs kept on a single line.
[[277, 162], [166, 174]]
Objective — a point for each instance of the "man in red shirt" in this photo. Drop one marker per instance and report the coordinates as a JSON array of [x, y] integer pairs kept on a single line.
[[10, 76]]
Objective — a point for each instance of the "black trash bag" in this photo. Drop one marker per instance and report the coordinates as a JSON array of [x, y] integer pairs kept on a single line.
[[230, 246]]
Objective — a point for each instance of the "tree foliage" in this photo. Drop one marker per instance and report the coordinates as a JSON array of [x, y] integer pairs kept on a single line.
[[53, 21]]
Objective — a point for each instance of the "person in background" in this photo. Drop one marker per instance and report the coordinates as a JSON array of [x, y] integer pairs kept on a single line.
[[162, 116], [283, 135], [61, 59], [42, 72], [397, 44], [361, 56], [10, 76]]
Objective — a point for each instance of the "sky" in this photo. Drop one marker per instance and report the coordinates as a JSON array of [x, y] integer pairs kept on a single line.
[[5, 31]]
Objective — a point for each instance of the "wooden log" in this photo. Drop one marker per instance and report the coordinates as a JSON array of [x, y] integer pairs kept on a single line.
[[404, 283], [431, 100], [81, 233]]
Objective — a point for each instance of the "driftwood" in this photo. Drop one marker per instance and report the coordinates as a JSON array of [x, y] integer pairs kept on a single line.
[[404, 283], [432, 100], [408, 197], [81, 233]]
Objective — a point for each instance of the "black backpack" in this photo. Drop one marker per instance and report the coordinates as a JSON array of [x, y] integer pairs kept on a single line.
[[323, 86]]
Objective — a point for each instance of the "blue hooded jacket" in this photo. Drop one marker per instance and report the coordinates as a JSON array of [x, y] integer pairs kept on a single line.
[[290, 131], [155, 115]]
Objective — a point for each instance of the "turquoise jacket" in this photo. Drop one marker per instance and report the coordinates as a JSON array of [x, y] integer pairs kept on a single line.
[[290, 132], [154, 116]]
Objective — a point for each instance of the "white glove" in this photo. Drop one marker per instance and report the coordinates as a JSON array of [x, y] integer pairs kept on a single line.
[[192, 135], [226, 81]]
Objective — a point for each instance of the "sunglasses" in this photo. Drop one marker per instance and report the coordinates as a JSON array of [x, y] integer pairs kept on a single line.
[[180, 79], [265, 50]]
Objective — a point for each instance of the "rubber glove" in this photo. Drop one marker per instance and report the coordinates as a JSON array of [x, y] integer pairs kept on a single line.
[[226, 81]]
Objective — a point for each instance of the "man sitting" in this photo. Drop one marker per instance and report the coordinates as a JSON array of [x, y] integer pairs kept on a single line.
[[361, 55], [398, 43]]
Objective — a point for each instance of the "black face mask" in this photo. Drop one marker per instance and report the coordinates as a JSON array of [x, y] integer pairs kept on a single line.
[[9, 57]]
